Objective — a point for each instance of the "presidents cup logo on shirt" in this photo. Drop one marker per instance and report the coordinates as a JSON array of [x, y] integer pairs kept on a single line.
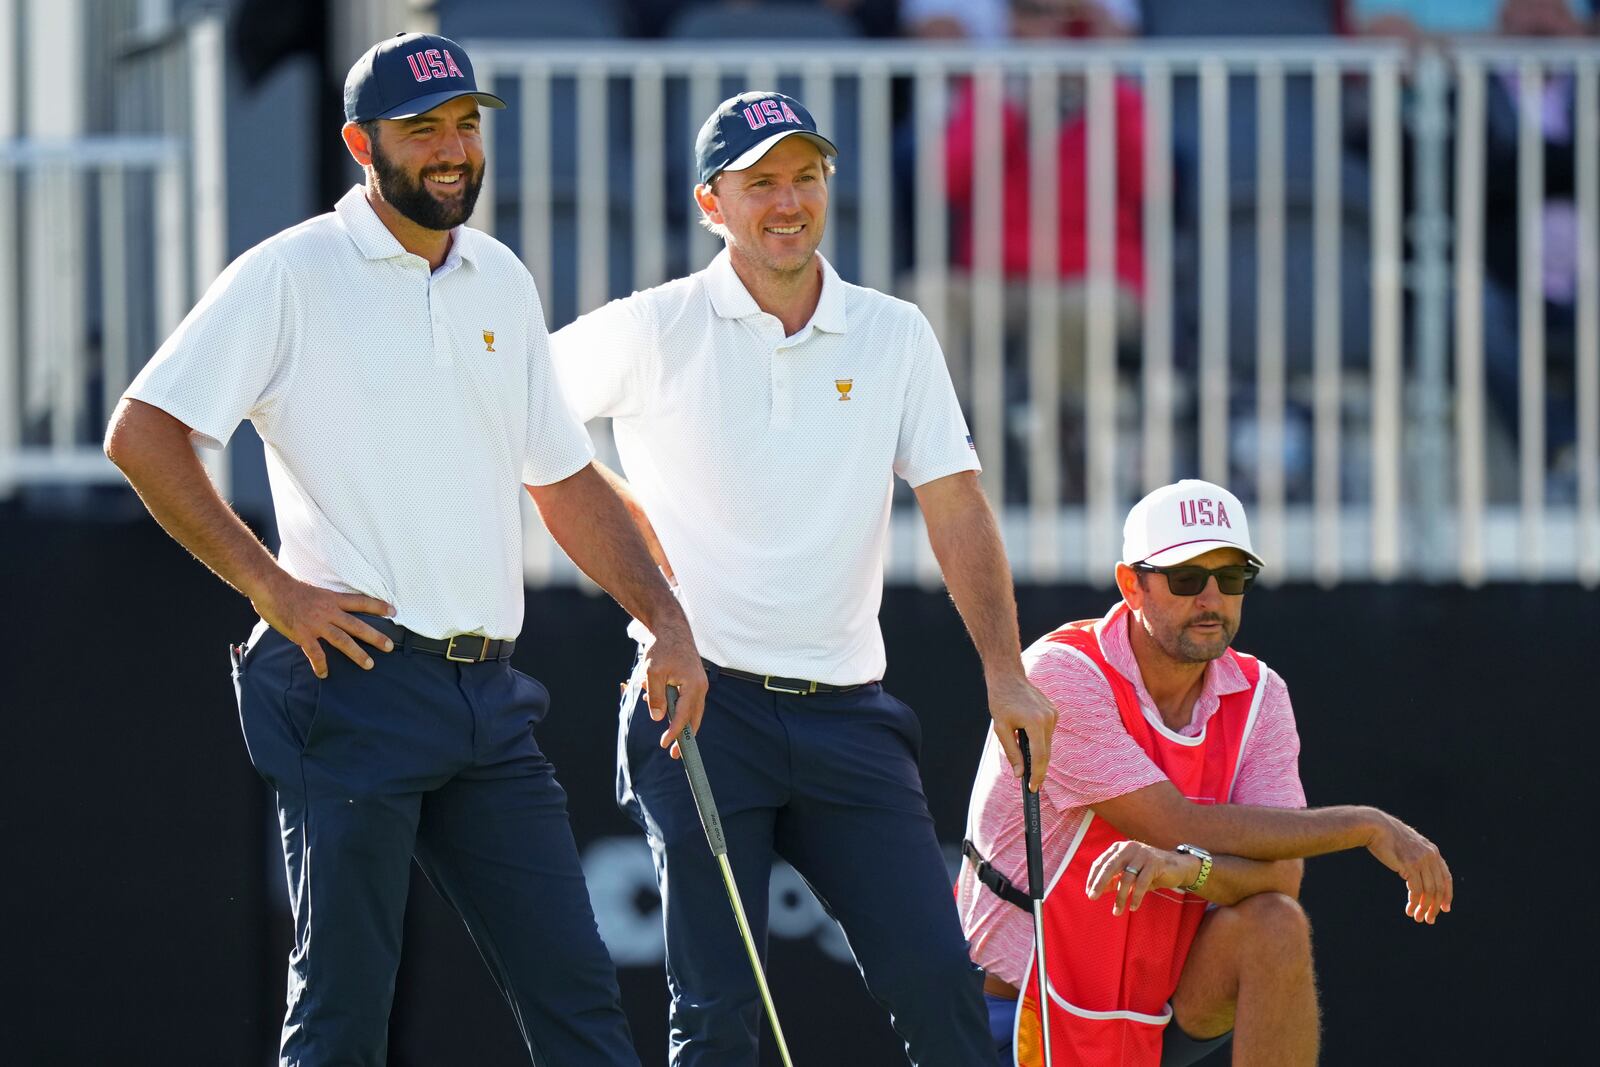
[[843, 385], [488, 340]]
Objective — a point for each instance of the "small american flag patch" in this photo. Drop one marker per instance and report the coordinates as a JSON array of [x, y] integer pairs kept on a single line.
[[971, 444]]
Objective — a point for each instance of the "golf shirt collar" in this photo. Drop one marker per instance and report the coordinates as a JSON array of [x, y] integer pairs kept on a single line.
[[731, 300], [374, 241]]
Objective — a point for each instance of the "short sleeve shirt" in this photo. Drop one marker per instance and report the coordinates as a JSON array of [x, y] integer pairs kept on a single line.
[[1094, 759], [401, 409], [766, 462]]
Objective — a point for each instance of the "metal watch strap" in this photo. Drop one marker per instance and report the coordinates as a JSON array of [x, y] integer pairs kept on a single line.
[[1205, 866]]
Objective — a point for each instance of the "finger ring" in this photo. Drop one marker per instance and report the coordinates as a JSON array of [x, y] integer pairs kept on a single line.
[[1131, 870]]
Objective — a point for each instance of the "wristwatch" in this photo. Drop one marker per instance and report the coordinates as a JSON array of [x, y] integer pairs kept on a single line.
[[1205, 866]]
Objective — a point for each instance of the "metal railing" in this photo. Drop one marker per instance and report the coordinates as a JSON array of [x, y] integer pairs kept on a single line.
[[1311, 328], [1335, 407], [106, 241]]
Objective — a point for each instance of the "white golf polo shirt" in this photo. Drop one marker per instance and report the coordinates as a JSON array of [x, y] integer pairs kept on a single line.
[[765, 462], [402, 410]]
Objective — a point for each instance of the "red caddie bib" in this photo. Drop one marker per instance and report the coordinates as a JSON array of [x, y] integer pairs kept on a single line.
[[1112, 977]]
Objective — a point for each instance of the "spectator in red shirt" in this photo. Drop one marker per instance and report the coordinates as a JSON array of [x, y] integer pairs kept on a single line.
[[1047, 19]]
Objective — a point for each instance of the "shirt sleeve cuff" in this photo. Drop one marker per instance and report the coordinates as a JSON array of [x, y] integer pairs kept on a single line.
[[212, 436], [917, 477]]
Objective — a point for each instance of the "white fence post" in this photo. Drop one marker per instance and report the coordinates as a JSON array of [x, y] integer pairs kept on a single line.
[[1429, 457], [1587, 377], [10, 254], [208, 182], [1270, 258], [1530, 312], [1327, 357], [1213, 280], [1387, 381], [1044, 342], [1471, 479]]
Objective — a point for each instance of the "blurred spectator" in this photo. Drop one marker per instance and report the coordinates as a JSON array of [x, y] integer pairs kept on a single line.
[[996, 20], [876, 18], [974, 20], [1035, 19], [1560, 236], [1418, 20]]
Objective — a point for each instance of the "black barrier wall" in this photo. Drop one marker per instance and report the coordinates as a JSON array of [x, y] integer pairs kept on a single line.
[[142, 889]]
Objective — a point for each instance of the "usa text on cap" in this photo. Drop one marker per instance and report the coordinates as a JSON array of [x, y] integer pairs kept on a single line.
[[409, 74], [744, 128], [1183, 520]]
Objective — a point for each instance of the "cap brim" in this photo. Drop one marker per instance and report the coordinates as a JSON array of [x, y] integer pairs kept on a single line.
[[421, 105], [753, 156], [1168, 557]]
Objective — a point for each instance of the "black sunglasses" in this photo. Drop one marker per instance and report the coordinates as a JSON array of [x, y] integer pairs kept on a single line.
[[1189, 579]]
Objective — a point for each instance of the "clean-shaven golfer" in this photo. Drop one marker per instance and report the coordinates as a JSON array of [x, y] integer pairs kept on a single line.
[[762, 408]]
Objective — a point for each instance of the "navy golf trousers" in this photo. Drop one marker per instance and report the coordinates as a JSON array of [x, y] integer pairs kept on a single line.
[[421, 757], [830, 783]]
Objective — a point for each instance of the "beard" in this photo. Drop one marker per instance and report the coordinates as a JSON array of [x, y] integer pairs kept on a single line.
[[411, 198], [1185, 646]]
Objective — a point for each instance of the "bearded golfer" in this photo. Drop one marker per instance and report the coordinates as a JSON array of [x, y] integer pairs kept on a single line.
[[1174, 824], [396, 364]]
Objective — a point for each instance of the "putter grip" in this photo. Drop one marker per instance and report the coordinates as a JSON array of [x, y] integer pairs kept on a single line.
[[1031, 830], [699, 784]]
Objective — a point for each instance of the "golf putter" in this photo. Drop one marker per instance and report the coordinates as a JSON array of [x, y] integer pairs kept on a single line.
[[1031, 832], [706, 805]]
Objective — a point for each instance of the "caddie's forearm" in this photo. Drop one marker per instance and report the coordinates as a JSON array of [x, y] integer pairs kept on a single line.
[[589, 521], [1234, 878], [1276, 833], [153, 451], [966, 542]]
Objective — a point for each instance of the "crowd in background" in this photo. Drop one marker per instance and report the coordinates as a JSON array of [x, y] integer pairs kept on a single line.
[[1414, 21], [279, 27]]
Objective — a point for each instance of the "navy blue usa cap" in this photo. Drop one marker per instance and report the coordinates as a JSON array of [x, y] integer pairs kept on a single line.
[[744, 128], [408, 74]]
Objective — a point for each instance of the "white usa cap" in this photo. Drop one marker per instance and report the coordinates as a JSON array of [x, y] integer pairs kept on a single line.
[[1183, 520]]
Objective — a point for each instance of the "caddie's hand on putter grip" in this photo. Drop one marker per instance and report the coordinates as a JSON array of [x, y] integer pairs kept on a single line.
[[309, 615], [673, 660]]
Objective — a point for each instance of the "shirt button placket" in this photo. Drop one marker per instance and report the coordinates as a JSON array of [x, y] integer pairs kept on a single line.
[[440, 335], [782, 391]]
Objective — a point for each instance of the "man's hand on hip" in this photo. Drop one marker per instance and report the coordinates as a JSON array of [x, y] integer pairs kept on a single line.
[[308, 615], [1016, 705], [673, 660]]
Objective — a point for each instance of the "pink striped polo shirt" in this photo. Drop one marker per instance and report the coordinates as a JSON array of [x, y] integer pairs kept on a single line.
[[1092, 760]]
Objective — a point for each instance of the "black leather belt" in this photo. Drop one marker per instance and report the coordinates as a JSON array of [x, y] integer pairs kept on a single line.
[[797, 687], [462, 648]]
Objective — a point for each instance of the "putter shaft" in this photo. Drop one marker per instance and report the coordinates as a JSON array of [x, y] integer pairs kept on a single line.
[[706, 805], [1033, 835]]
